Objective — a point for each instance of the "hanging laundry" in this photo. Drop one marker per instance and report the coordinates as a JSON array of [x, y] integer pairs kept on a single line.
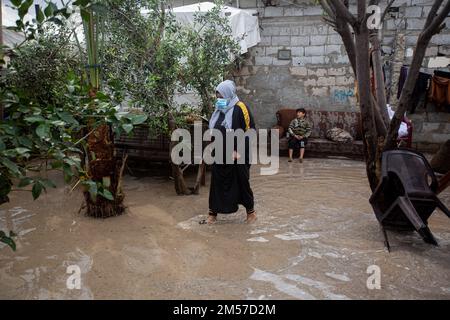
[[420, 89], [440, 92]]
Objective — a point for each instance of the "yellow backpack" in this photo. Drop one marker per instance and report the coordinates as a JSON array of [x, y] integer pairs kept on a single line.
[[246, 114]]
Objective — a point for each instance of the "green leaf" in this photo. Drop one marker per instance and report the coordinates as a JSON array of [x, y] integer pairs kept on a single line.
[[2, 145], [50, 9], [7, 240], [107, 195], [10, 165], [43, 131], [24, 7], [22, 151], [37, 190], [128, 127], [46, 183], [24, 141], [25, 182], [67, 117], [33, 119], [40, 16], [137, 118], [16, 3]]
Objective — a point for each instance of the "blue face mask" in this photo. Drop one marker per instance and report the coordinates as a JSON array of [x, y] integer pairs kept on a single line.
[[221, 103]]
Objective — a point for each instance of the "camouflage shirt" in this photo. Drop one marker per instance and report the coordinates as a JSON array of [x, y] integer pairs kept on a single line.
[[300, 127]]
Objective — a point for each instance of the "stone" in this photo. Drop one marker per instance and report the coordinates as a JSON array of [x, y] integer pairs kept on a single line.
[[317, 72], [343, 81], [337, 71], [313, 11], [334, 39], [326, 81], [293, 12], [298, 71]]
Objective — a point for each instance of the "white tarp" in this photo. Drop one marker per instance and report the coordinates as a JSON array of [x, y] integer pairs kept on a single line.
[[244, 23]]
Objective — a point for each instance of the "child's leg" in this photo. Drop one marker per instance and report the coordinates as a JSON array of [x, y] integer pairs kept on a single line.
[[291, 152], [302, 149], [302, 153]]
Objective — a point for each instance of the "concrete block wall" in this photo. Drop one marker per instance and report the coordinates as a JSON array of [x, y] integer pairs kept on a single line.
[[318, 75]]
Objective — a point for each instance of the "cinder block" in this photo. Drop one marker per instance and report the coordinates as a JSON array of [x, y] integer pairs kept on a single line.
[[263, 61], [269, 30], [281, 40], [273, 12], [332, 49], [298, 71], [320, 72], [272, 51], [315, 51], [300, 41], [277, 62], [344, 81], [413, 12], [285, 31], [265, 41], [297, 51], [326, 81], [334, 39], [411, 40], [310, 83], [342, 59], [318, 40], [441, 39], [431, 52], [313, 11], [320, 91], [293, 12], [319, 59], [248, 3], [301, 61], [415, 24], [337, 71]]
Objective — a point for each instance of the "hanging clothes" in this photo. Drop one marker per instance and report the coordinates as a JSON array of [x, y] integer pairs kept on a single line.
[[440, 91], [420, 89]]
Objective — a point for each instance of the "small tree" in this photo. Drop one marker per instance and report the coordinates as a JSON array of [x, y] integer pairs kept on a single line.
[[379, 134]]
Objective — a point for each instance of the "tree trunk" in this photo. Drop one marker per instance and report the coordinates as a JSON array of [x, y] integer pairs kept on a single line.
[[441, 160], [365, 98], [104, 168]]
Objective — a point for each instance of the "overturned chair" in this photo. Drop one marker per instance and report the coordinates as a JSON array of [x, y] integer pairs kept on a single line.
[[406, 196]]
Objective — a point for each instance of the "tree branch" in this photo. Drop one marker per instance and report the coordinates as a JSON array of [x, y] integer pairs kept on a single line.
[[436, 22], [342, 11]]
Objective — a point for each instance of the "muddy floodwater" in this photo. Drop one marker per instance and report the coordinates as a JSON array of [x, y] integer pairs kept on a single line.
[[315, 238]]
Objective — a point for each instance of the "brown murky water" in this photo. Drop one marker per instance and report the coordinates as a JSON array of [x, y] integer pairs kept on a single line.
[[315, 238]]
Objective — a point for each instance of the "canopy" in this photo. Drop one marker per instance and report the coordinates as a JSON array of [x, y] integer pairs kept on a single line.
[[244, 23]]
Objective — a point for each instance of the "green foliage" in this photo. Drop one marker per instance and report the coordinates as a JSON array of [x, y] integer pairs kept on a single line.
[[47, 109], [210, 51], [8, 239], [141, 57]]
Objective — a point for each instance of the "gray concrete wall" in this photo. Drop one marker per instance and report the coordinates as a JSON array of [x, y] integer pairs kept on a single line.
[[318, 75]]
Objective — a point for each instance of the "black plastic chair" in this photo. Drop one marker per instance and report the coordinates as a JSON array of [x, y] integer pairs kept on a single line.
[[406, 196]]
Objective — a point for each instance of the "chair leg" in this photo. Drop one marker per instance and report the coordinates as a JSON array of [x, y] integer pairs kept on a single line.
[[386, 240], [442, 207], [428, 236], [411, 213]]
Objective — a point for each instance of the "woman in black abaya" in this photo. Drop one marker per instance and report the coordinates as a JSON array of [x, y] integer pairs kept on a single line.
[[230, 185]]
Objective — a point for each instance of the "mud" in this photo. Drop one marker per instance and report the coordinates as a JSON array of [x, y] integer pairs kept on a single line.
[[314, 238]]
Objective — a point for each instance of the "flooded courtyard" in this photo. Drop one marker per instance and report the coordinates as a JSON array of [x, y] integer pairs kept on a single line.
[[315, 238]]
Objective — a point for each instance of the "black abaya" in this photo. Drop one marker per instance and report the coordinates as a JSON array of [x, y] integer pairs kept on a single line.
[[230, 185]]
